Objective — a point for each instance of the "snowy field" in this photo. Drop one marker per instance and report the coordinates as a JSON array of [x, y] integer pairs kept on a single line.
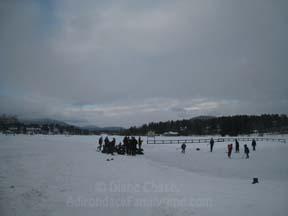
[[60, 175]]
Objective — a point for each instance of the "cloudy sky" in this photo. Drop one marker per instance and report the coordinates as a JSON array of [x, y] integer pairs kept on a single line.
[[129, 62]]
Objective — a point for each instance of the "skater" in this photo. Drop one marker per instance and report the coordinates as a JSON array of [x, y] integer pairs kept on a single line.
[[100, 142], [140, 142], [183, 147], [230, 148], [106, 140], [254, 144], [106, 145], [246, 151], [129, 146], [211, 144], [125, 143], [133, 146], [112, 146], [237, 146]]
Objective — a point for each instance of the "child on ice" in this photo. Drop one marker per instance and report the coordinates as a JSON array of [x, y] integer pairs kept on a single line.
[[183, 147], [230, 148]]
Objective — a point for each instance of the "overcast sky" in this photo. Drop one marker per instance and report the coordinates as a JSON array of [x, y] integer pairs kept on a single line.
[[129, 62]]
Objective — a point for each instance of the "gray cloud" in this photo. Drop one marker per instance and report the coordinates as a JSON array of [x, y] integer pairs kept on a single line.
[[125, 63]]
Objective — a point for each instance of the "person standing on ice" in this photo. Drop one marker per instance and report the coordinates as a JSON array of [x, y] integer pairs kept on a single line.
[[106, 140], [129, 144], [100, 141], [237, 146], [246, 151], [140, 142], [230, 148], [211, 144], [112, 146], [106, 145], [183, 147], [254, 144], [125, 143], [134, 146]]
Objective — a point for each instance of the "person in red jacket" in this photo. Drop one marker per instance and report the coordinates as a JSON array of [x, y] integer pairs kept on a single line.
[[230, 148]]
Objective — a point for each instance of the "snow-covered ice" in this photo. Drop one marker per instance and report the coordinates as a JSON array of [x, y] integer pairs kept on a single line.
[[60, 175]]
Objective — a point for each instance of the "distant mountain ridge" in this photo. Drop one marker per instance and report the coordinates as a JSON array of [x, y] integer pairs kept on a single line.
[[203, 117], [43, 121], [96, 128], [47, 121]]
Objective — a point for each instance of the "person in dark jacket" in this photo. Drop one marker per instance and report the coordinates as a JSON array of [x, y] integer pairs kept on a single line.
[[106, 140], [129, 146], [183, 147], [112, 146], [100, 142], [106, 145], [254, 144], [125, 143], [246, 151], [237, 146], [211, 144], [133, 145], [140, 142]]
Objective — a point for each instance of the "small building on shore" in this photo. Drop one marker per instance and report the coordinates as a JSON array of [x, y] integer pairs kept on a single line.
[[171, 133]]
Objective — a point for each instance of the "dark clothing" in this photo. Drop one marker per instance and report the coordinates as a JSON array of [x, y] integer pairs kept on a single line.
[[133, 146], [106, 147], [100, 144], [237, 146], [246, 151], [254, 144], [100, 140], [125, 144], [211, 144], [183, 147], [140, 142], [125, 140], [99, 147], [129, 143], [112, 146], [129, 146], [120, 149], [106, 141]]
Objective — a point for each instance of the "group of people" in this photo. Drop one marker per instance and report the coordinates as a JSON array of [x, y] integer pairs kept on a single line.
[[237, 148], [229, 147], [130, 146]]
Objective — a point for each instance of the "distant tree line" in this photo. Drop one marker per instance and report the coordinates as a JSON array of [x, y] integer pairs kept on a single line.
[[11, 125], [225, 125]]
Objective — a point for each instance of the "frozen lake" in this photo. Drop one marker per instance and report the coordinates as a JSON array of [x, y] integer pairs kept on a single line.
[[60, 175]]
